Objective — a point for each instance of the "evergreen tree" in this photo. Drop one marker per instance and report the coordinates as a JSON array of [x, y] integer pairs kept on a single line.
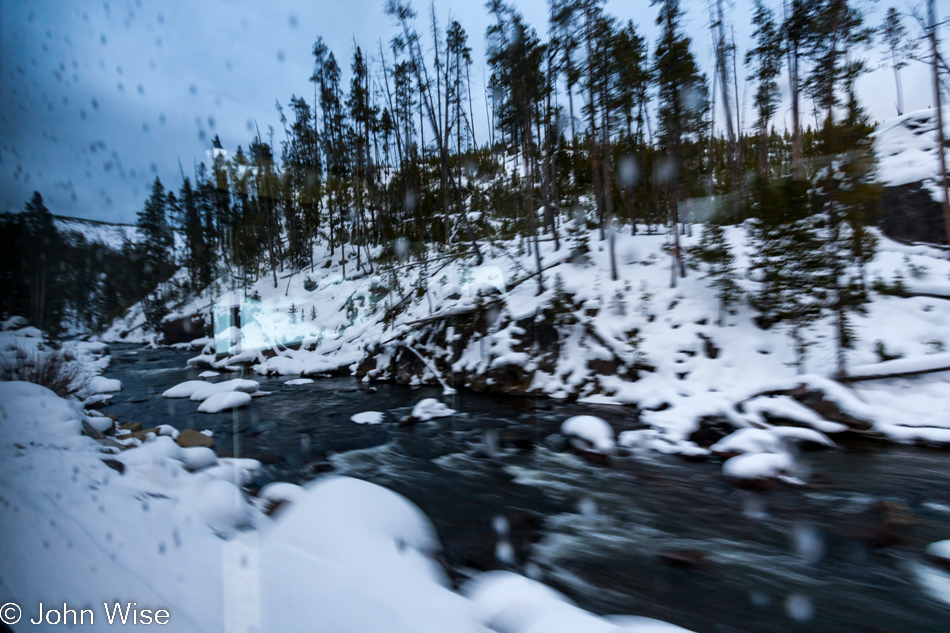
[[156, 237], [785, 244], [846, 198], [766, 58], [713, 250], [682, 108], [40, 252]]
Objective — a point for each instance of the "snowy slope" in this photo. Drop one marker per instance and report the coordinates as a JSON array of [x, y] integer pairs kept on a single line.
[[906, 148], [346, 556], [630, 341], [112, 235]]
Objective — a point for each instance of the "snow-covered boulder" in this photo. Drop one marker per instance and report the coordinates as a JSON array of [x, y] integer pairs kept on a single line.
[[430, 408], [99, 384], [184, 389], [209, 374], [279, 494], [748, 441], [590, 433], [298, 381], [224, 401], [236, 385], [939, 552], [198, 457], [13, 323], [220, 504], [367, 417], [759, 467]]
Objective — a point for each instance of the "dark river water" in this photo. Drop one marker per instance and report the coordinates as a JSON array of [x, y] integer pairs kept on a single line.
[[646, 534]]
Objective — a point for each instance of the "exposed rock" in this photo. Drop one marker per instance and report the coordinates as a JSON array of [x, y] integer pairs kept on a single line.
[[711, 430], [689, 558], [115, 465], [910, 214], [887, 523], [190, 437]]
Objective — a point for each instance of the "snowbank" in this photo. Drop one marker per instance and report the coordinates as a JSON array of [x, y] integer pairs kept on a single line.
[[345, 554]]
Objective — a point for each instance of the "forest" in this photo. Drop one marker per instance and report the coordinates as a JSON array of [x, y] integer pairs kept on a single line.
[[594, 128]]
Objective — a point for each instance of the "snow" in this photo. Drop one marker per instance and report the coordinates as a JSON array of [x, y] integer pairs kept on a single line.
[[786, 407], [920, 364], [594, 432], [367, 417], [184, 389], [224, 401], [198, 457], [755, 466], [748, 441], [209, 374], [13, 323], [207, 390], [429, 409], [298, 381], [906, 148], [509, 603], [940, 549], [770, 440], [169, 430], [104, 385]]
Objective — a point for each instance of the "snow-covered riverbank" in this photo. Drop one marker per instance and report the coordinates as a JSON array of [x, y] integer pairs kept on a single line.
[[631, 341], [167, 527]]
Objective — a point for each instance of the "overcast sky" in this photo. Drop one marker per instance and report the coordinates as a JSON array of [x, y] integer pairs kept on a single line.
[[99, 97]]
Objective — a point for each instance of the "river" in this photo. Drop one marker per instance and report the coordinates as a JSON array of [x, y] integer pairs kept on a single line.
[[647, 534]]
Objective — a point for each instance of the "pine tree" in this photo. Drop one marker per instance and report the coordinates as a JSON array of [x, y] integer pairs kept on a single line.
[[40, 252], [846, 197], [156, 237], [292, 311], [767, 57], [682, 108], [785, 244], [713, 250]]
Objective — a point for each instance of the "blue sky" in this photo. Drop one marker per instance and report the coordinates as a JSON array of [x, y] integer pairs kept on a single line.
[[99, 97]]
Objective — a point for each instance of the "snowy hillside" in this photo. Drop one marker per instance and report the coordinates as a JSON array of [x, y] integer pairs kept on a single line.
[[634, 341], [112, 235], [906, 148]]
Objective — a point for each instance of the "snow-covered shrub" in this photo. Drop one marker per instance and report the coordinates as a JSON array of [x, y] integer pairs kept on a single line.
[[48, 369]]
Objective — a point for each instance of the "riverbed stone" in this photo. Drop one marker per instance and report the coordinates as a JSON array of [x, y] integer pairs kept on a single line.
[[189, 437]]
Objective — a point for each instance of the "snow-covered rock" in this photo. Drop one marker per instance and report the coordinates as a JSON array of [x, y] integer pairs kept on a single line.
[[430, 408], [208, 390], [224, 401], [298, 381], [748, 441], [169, 430], [367, 417], [184, 389], [104, 385], [940, 550], [209, 374], [198, 457], [13, 323], [758, 466], [589, 432]]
